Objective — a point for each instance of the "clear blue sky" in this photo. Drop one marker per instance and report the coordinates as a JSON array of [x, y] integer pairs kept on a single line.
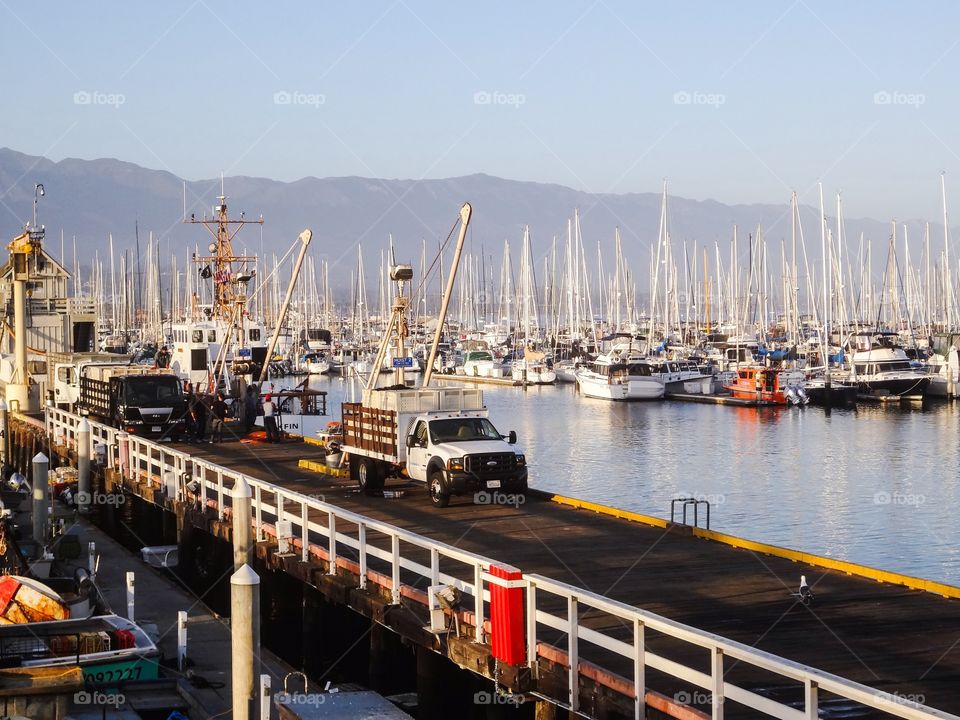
[[739, 102]]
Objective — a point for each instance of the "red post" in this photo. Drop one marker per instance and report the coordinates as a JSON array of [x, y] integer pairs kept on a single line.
[[507, 629]]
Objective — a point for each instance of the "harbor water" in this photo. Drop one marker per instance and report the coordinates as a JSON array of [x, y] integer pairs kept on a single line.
[[875, 485]]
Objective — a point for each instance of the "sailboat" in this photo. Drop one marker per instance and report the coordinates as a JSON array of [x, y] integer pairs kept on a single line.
[[530, 366]]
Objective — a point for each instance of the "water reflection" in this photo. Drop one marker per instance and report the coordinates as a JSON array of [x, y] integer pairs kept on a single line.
[[875, 484]]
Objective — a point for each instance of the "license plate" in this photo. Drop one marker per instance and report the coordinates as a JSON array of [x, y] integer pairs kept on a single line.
[[491, 484], [155, 428]]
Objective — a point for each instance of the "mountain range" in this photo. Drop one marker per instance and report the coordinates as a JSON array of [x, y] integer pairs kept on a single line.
[[90, 199]]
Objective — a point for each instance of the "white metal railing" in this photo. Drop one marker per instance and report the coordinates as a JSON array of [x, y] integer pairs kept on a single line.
[[542, 595]]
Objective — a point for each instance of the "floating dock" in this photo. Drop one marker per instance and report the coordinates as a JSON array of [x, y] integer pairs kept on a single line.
[[717, 399]]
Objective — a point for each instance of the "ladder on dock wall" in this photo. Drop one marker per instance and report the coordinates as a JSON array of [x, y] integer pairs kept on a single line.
[[553, 628]]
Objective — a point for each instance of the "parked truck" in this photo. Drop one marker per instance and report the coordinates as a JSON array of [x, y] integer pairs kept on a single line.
[[441, 436], [136, 398]]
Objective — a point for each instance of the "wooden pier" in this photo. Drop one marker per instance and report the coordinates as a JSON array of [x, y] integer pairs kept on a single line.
[[735, 598]]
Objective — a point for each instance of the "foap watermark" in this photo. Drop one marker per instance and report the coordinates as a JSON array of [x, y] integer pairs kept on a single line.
[[301, 699], [711, 498], [697, 97], [496, 97], [897, 97], [99, 498], [96, 97], [694, 698], [97, 698], [296, 97], [898, 498], [488, 698], [899, 699], [485, 497]]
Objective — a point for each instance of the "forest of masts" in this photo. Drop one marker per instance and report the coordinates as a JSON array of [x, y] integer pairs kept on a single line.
[[569, 289]]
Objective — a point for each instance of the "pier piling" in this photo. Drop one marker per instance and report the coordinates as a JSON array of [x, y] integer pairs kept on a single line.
[[40, 501], [245, 640], [241, 513], [83, 466]]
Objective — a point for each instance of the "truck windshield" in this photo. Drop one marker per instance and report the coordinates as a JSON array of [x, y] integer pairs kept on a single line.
[[451, 429], [153, 391]]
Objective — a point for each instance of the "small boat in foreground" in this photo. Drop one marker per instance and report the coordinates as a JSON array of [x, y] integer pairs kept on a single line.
[[108, 649]]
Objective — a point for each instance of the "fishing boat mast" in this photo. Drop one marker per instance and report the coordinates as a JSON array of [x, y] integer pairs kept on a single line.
[[229, 288]]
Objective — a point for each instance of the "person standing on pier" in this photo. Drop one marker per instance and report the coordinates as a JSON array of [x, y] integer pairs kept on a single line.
[[270, 419], [250, 402], [198, 417], [219, 412]]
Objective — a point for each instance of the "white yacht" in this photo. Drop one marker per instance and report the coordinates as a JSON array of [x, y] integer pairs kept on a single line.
[[619, 381]]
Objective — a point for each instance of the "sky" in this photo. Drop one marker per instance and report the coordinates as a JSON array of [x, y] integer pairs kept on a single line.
[[737, 102]]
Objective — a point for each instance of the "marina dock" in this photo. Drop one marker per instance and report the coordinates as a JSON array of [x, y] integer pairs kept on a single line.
[[665, 607]]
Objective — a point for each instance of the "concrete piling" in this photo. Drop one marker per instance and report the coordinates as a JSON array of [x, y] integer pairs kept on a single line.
[[241, 513], [41, 505], [245, 636], [83, 466]]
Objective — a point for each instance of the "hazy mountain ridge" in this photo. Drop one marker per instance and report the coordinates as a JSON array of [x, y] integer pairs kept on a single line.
[[90, 199]]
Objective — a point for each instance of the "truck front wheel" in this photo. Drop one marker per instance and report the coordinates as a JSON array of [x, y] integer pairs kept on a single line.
[[368, 474], [439, 494]]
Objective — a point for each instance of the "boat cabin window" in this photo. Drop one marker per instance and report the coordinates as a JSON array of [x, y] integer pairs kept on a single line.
[[254, 334], [197, 336], [211, 335]]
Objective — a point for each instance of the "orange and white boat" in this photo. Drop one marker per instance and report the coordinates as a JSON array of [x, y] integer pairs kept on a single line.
[[769, 386]]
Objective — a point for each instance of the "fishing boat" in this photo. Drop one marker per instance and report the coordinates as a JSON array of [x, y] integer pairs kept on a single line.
[[222, 340], [881, 368], [768, 386], [619, 381], [108, 649]]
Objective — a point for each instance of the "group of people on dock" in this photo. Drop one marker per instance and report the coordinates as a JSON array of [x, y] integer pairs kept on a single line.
[[205, 411]]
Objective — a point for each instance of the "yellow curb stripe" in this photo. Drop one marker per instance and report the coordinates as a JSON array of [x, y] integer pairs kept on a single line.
[[602, 509], [864, 571], [321, 467]]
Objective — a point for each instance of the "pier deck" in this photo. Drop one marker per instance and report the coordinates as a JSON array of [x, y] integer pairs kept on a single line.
[[884, 635]]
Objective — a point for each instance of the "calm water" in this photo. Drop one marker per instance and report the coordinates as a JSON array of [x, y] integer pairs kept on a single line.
[[875, 485]]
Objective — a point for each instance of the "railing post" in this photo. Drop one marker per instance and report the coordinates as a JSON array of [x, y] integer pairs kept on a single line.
[[573, 652], [811, 699], [434, 566], [395, 567], [716, 673], [305, 532], [220, 494], [639, 669], [332, 543], [123, 446], [258, 511], [362, 541], [478, 601], [532, 625]]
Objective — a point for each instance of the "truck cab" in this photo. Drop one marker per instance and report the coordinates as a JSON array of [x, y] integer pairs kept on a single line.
[[463, 454]]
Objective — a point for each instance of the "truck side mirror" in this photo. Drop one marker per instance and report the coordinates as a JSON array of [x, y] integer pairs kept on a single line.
[[512, 437], [410, 441]]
